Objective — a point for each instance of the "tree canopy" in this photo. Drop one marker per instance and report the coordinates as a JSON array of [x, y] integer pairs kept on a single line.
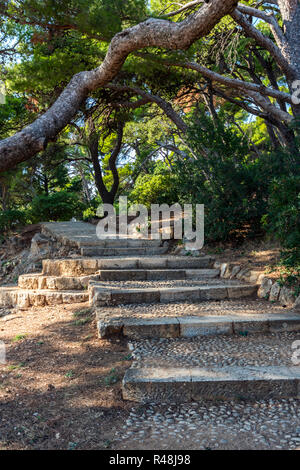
[[160, 101]]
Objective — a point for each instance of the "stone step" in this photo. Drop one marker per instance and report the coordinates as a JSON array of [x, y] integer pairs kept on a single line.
[[81, 266], [39, 281], [190, 384], [194, 326], [157, 274], [257, 366], [100, 295], [8, 296], [118, 251], [82, 234], [238, 307], [120, 243], [70, 233], [15, 297], [219, 426]]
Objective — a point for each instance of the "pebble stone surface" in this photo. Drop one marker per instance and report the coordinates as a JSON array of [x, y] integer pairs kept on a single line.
[[221, 425], [223, 307], [166, 284], [270, 349], [259, 425]]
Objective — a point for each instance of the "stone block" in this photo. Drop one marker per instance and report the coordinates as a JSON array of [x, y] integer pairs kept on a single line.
[[189, 294], [193, 326], [238, 292], [287, 297], [212, 293], [265, 288], [274, 292]]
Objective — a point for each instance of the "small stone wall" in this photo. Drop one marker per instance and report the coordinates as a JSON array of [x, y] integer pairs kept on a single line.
[[269, 288]]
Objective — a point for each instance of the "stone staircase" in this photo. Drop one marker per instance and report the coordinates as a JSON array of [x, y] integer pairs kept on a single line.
[[82, 236], [192, 334], [211, 354], [122, 280]]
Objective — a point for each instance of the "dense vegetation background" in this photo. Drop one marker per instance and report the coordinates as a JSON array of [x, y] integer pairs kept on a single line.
[[221, 150]]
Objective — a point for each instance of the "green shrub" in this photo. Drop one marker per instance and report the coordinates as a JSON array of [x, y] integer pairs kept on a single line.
[[89, 213], [283, 216], [11, 219], [157, 188], [221, 174], [283, 221], [60, 206]]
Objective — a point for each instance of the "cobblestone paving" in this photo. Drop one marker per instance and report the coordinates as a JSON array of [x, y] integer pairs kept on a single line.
[[223, 307], [171, 283], [254, 350], [266, 424]]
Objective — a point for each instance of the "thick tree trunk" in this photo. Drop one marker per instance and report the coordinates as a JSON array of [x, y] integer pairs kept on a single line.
[[290, 13], [4, 195], [274, 141], [285, 50], [94, 153], [108, 197], [46, 185]]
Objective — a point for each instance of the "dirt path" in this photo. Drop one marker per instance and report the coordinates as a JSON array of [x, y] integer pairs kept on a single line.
[[61, 386]]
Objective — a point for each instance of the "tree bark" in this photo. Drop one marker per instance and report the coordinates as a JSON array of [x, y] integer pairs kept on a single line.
[[290, 13], [150, 98], [107, 197], [286, 48]]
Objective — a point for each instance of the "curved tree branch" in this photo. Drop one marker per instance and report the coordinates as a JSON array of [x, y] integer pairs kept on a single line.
[[188, 6], [268, 18], [266, 43], [150, 98], [235, 83]]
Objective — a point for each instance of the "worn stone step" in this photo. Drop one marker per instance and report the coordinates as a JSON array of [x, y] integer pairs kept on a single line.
[[13, 296], [8, 296], [214, 367], [70, 233], [187, 384], [119, 251], [100, 296], [194, 326], [81, 266], [121, 242], [82, 234], [38, 281], [157, 274], [209, 351], [237, 307]]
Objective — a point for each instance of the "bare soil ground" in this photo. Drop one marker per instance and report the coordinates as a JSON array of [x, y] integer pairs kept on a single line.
[[61, 385], [260, 255]]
